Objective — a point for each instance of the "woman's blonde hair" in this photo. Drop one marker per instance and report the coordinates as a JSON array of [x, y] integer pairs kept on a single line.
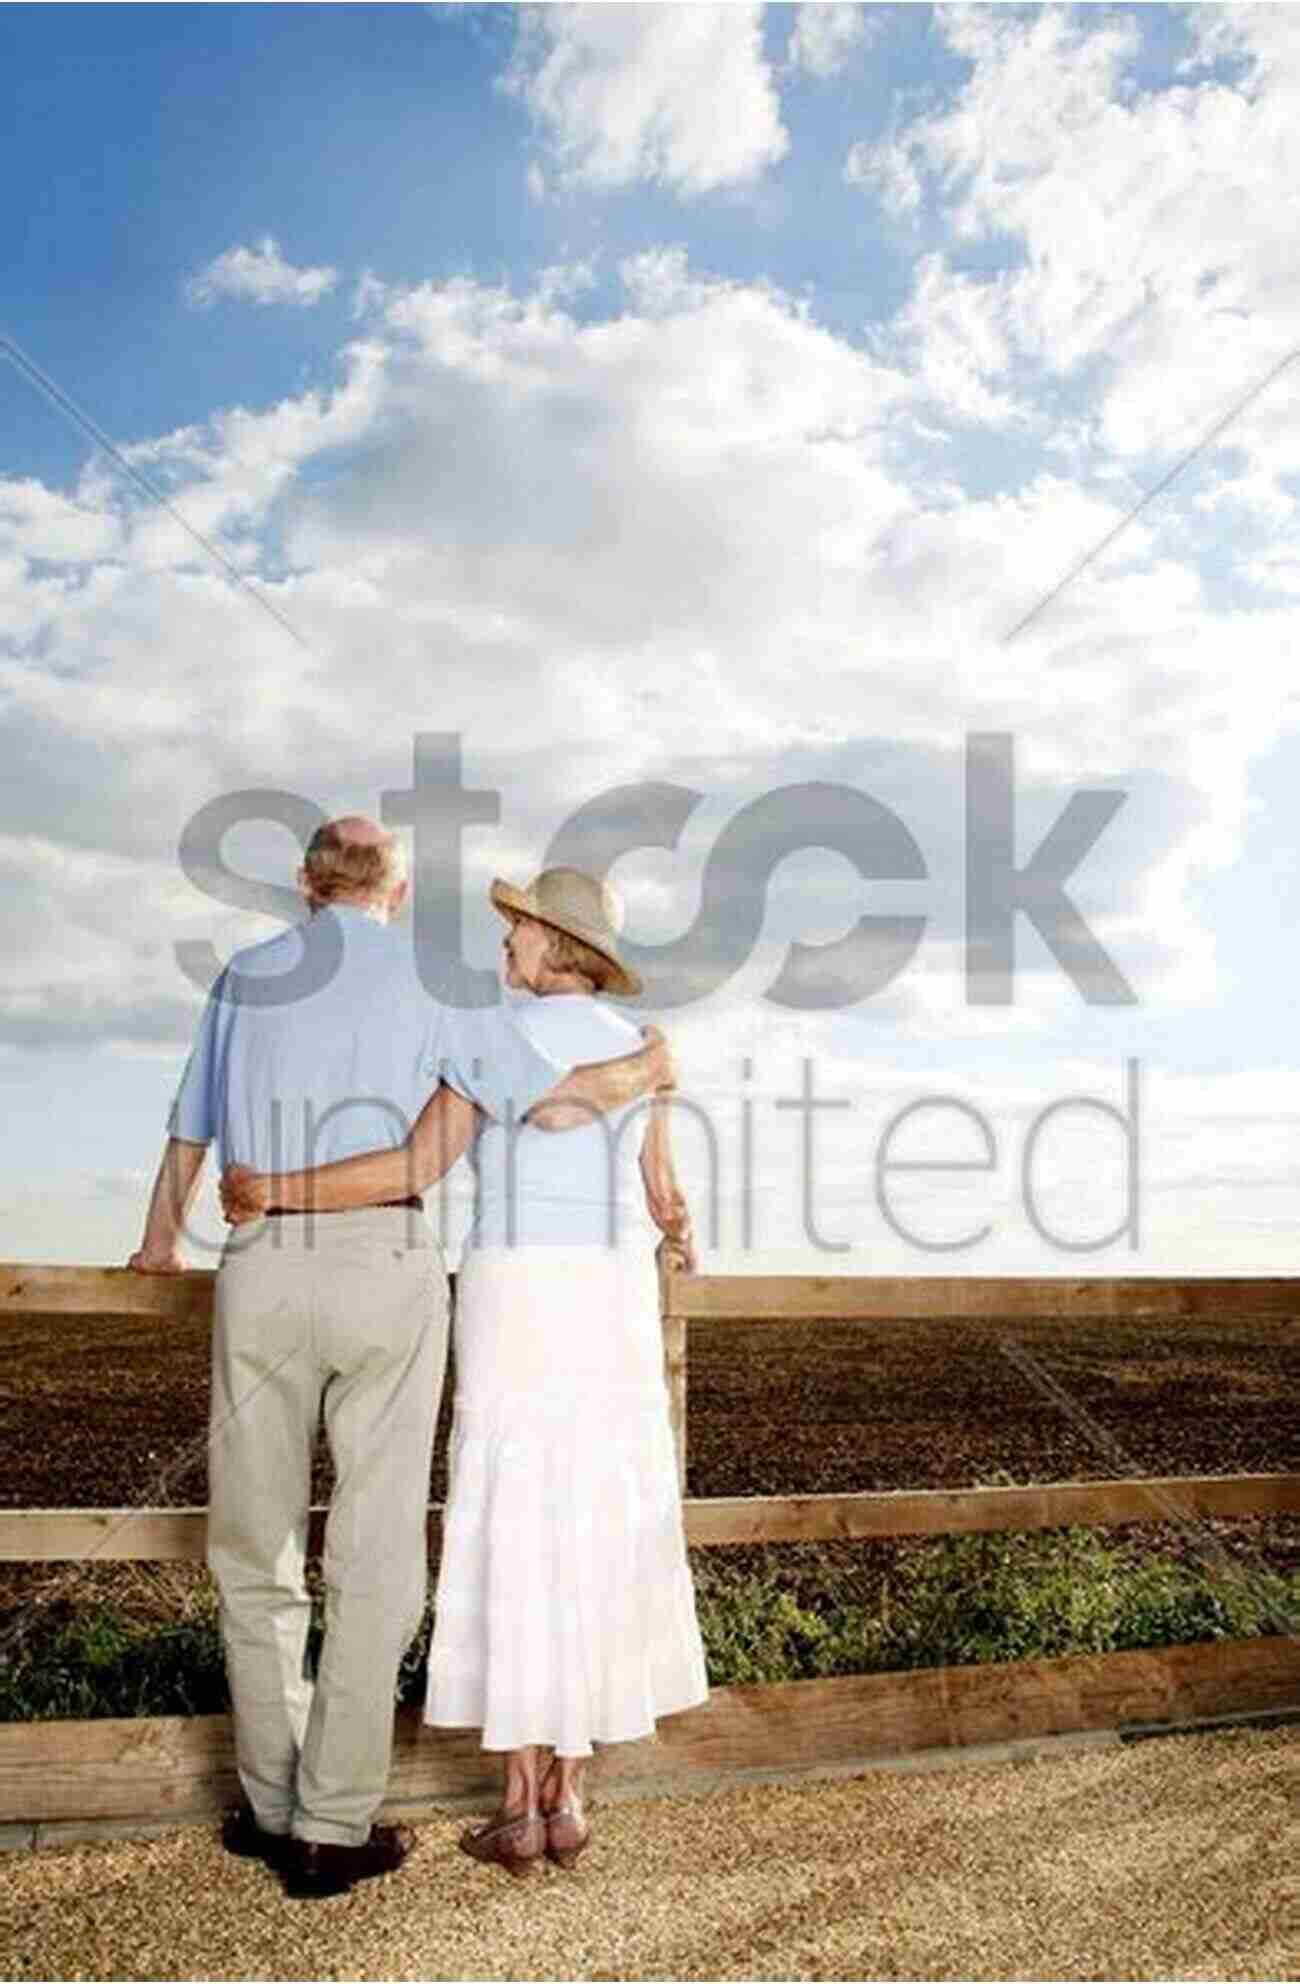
[[335, 866], [566, 953]]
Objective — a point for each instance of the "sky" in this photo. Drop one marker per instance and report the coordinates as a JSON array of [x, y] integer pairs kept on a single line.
[[832, 468]]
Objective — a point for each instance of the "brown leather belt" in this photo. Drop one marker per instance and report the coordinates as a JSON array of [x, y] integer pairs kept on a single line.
[[299, 1212]]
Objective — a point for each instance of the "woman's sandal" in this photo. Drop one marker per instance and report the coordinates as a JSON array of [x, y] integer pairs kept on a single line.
[[517, 1843], [565, 1852]]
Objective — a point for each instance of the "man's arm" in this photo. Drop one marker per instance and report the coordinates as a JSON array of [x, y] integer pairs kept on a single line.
[[173, 1195], [190, 1129]]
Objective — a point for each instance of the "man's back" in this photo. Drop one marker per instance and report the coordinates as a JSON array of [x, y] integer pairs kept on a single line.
[[340, 1059]]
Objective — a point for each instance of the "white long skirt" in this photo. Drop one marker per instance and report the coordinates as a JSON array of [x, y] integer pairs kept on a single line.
[[565, 1613]]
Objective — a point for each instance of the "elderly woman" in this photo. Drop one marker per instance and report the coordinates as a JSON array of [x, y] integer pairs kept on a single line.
[[565, 1614]]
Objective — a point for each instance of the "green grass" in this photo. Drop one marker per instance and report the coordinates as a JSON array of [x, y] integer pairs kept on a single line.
[[155, 1649], [965, 1600], [96, 1662]]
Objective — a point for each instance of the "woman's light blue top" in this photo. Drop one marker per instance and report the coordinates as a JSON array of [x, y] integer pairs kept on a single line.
[[570, 1188]]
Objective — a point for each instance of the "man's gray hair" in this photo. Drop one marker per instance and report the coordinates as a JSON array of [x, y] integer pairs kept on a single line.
[[336, 866]]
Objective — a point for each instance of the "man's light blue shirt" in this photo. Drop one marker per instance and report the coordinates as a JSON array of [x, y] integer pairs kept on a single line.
[[343, 1053]]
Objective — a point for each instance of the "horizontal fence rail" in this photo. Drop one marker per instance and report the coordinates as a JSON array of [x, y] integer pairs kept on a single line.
[[37, 1289], [923, 1298], [75, 1780], [32, 1289], [153, 1535]]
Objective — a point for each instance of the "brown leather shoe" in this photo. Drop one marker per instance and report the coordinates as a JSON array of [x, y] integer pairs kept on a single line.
[[314, 1868], [567, 1834], [241, 1835], [515, 1841]]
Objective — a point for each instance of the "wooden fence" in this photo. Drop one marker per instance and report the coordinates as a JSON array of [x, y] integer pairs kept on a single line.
[[57, 1780]]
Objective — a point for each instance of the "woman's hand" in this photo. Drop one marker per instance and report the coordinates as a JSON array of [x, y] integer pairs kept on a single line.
[[245, 1193], [671, 1214], [676, 1256]]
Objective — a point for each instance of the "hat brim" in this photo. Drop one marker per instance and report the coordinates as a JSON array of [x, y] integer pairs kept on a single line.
[[622, 981]]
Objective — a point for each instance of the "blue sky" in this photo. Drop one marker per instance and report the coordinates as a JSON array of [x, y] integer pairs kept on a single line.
[[683, 394], [151, 137]]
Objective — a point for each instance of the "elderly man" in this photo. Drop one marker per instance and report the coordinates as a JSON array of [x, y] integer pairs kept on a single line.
[[315, 1045]]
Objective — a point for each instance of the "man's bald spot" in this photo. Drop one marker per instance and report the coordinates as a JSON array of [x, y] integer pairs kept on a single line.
[[353, 859], [359, 831]]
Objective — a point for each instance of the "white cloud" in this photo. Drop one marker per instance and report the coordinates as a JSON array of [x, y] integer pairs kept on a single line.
[[825, 36], [890, 169], [681, 543], [1214, 1157], [1158, 228], [561, 280], [633, 535], [37, 522], [954, 327], [681, 94], [258, 275]]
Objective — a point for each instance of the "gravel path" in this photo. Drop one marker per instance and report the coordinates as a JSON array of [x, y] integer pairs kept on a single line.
[[1171, 1858]]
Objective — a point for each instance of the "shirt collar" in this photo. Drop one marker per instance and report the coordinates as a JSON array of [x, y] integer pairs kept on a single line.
[[349, 910]]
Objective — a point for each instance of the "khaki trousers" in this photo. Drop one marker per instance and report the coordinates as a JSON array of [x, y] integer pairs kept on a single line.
[[345, 1313]]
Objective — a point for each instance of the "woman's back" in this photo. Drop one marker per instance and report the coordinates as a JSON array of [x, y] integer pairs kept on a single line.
[[571, 1188]]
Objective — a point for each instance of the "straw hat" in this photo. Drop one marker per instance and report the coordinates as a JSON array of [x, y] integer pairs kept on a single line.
[[582, 907]]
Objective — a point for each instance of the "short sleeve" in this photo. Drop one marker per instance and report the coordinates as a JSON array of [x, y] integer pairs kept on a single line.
[[489, 1058], [193, 1112]]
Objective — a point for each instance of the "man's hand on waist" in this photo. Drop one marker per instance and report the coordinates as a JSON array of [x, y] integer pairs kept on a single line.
[[245, 1194]]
